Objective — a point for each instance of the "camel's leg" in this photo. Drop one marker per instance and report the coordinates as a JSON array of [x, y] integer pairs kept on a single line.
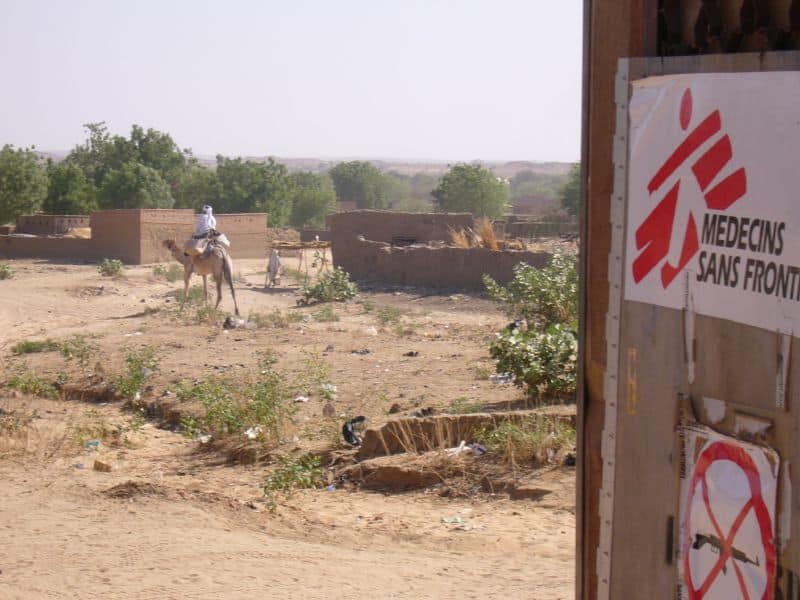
[[187, 275], [205, 288], [227, 272], [218, 281]]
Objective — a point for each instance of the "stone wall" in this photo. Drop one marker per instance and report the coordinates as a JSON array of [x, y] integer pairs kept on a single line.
[[50, 224]]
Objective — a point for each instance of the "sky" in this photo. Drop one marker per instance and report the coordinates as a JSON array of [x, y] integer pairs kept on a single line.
[[403, 79]]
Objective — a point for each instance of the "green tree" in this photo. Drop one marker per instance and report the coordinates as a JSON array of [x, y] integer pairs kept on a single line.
[[570, 193], [313, 199], [248, 186], [69, 192], [196, 186], [361, 182], [134, 185], [473, 189], [102, 153], [23, 182]]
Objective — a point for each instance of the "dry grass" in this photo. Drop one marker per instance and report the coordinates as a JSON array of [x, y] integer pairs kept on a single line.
[[487, 235], [481, 237], [459, 238]]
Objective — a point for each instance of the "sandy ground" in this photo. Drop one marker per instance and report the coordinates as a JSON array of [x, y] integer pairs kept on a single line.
[[186, 525]]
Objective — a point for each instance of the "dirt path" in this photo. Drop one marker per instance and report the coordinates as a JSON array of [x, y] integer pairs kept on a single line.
[[190, 527]]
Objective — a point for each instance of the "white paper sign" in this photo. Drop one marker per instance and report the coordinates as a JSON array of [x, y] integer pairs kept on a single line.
[[714, 196], [727, 543]]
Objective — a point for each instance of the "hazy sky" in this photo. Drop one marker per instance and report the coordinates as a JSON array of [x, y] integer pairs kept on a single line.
[[440, 79]]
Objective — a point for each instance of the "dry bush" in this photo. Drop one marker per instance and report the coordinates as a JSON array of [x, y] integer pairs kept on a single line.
[[487, 235], [459, 238]]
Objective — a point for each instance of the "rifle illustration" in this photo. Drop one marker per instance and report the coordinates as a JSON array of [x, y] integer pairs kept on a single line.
[[717, 546]]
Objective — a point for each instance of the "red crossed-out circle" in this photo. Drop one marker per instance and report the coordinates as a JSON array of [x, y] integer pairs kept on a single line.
[[739, 456]]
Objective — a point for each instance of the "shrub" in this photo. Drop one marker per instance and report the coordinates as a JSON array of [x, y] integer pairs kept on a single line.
[[139, 366], [172, 273], [276, 319], [6, 272], [229, 409], [33, 346], [29, 383], [326, 314], [334, 286], [292, 473], [542, 361], [536, 439], [110, 267], [542, 357], [540, 296], [78, 349]]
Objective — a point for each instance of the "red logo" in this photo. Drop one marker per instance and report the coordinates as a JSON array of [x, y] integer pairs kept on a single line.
[[747, 563], [654, 235]]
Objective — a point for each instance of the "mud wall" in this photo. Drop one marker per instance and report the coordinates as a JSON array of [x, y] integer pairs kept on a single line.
[[157, 225], [393, 227], [116, 234], [247, 233], [50, 224], [309, 235], [47, 247], [449, 268]]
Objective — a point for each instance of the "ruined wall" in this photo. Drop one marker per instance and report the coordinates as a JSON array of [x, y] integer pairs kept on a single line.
[[391, 227], [50, 224], [116, 234], [12, 246], [449, 268]]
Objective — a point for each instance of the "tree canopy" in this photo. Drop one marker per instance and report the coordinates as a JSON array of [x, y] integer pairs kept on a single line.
[[473, 189], [360, 182], [570, 193], [69, 192], [23, 182], [134, 185]]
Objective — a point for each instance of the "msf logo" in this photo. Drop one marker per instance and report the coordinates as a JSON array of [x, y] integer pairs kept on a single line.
[[654, 235]]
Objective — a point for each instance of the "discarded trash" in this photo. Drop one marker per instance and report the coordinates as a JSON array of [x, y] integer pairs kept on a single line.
[[203, 438], [253, 432], [79, 466], [411, 353], [101, 466], [423, 412], [330, 487], [461, 448], [453, 520], [350, 430], [232, 323], [328, 389], [478, 449], [301, 399], [92, 444], [132, 334], [329, 410], [500, 378], [371, 331], [362, 351]]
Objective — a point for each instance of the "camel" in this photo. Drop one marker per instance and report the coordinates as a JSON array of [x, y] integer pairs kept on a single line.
[[218, 264]]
